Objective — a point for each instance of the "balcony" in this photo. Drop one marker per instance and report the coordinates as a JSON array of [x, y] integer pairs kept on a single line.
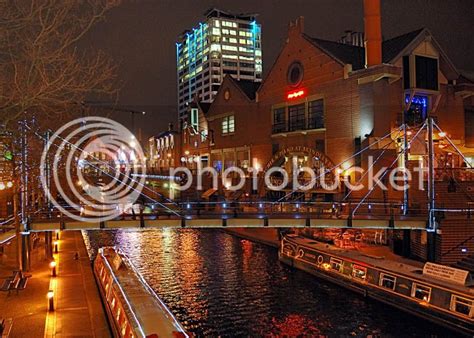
[[283, 127]]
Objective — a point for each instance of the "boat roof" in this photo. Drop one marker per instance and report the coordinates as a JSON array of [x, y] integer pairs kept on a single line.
[[152, 314], [413, 270]]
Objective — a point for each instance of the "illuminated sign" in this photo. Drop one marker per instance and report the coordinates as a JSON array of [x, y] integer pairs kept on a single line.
[[296, 94]]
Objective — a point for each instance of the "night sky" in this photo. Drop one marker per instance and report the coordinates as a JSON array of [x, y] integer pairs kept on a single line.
[[141, 34]]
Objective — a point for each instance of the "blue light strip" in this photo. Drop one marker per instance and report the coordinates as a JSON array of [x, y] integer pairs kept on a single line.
[[417, 99]]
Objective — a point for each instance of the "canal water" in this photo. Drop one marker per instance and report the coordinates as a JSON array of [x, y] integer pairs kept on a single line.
[[220, 285]]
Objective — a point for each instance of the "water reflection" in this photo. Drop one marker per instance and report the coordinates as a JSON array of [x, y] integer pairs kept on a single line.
[[217, 284]]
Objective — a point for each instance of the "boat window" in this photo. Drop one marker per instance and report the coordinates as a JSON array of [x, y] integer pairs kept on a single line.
[[462, 305], [118, 314], [359, 272], [387, 281], [336, 264], [124, 328], [421, 292]]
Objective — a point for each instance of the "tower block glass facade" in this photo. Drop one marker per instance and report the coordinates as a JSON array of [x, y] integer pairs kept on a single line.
[[224, 44]]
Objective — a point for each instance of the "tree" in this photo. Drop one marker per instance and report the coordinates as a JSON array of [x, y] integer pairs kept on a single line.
[[42, 70]]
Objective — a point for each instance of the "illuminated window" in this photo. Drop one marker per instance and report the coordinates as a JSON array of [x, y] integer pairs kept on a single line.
[[462, 305], [387, 281], [216, 31], [232, 48], [228, 125], [215, 48], [336, 264], [418, 110], [359, 272], [194, 118], [233, 40], [421, 292]]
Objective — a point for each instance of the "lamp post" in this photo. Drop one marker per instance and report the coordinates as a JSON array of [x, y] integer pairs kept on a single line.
[[133, 113]]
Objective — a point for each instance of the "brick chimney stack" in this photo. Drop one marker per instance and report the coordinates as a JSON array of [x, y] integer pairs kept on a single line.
[[296, 27], [373, 33]]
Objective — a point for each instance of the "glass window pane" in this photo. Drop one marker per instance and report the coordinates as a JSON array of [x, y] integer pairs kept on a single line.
[[316, 114], [296, 117]]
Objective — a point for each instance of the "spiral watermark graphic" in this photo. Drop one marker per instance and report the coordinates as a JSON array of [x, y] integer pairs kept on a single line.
[[92, 169]]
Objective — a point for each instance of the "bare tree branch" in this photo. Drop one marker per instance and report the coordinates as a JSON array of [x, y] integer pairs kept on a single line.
[[41, 70]]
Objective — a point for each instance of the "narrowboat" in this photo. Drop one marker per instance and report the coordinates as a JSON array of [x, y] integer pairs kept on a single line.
[[435, 292], [133, 308]]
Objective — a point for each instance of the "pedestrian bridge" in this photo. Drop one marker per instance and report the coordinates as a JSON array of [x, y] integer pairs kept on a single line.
[[249, 214]]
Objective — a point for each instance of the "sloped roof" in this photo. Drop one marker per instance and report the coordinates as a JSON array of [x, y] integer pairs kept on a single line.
[[204, 107], [355, 55], [392, 47], [165, 133], [248, 87], [343, 53]]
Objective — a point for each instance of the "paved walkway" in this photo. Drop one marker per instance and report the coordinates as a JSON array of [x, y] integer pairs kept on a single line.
[[78, 308], [28, 307]]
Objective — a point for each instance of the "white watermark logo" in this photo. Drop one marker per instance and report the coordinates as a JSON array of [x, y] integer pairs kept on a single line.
[[83, 150]]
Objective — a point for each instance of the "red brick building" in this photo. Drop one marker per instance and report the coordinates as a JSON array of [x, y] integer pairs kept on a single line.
[[323, 101]]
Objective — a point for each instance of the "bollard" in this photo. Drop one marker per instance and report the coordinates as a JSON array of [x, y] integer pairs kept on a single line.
[[50, 296], [56, 244], [52, 265]]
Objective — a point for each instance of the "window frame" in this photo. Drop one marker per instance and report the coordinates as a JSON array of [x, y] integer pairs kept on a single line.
[[299, 122], [281, 126], [360, 268], [338, 261], [226, 125], [454, 301], [312, 115], [382, 276], [413, 291]]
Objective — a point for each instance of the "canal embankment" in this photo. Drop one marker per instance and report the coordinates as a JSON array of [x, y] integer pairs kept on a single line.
[[78, 309]]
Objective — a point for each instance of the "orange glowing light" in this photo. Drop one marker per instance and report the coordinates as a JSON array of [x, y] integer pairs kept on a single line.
[[296, 94]]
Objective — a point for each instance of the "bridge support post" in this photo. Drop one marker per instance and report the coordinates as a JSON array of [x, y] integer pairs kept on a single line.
[[431, 224], [25, 251]]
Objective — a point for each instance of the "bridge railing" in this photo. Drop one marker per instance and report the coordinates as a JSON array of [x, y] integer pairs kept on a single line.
[[269, 209]]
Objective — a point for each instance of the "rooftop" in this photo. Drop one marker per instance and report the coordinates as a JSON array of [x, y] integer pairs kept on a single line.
[[355, 55]]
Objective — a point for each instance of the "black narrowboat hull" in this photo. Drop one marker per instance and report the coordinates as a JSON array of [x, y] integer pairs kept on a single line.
[[317, 263]]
